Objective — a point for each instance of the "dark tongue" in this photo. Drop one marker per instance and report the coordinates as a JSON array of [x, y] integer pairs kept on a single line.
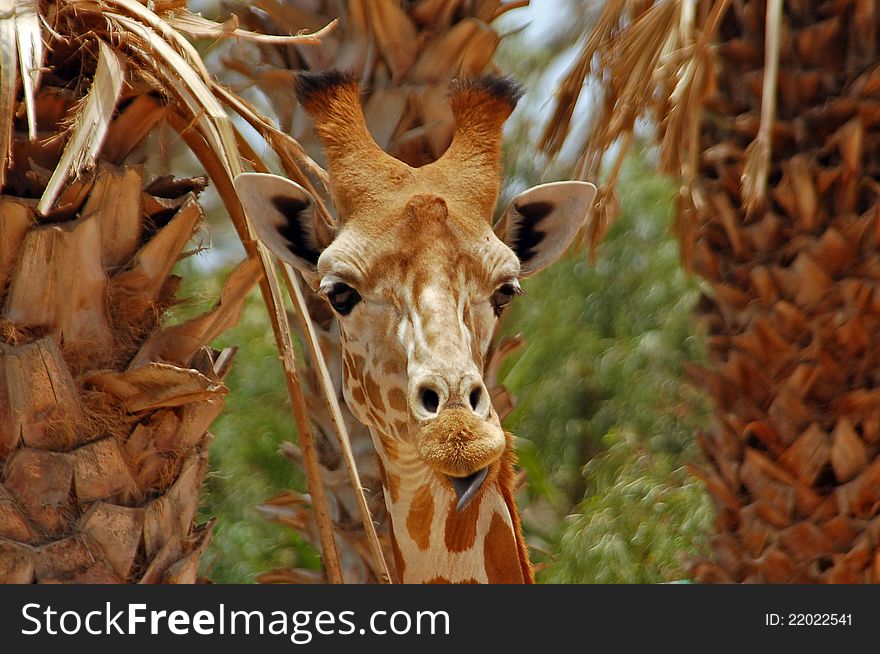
[[466, 487]]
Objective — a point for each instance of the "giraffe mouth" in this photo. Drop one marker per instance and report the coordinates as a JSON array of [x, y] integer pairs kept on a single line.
[[466, 487]]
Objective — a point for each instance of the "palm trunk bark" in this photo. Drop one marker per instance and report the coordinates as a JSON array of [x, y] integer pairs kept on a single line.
[[104, 409], [792, 318]]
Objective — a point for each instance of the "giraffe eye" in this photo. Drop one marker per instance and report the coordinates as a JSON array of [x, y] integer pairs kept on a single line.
[[504, 294], [343, 298]]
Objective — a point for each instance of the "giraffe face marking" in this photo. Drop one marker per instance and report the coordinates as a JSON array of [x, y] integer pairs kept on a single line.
[[397, 399], [353, 390], [428, 302], [418, 281], [375, 394]]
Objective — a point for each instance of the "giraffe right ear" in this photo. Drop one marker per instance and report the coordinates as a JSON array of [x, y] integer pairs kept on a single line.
[[541, 223], [284, 218]]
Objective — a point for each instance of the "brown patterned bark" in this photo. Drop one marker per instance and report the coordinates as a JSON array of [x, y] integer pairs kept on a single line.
[[104, 411], [792, 311]]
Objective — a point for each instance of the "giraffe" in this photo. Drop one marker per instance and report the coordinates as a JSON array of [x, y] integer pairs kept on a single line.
[[418, 277]]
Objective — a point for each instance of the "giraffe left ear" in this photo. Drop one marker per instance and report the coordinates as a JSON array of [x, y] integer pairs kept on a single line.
[[283, 215], [541, 223]]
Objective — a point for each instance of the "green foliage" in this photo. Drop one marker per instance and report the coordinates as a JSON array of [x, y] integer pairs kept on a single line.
[[601, 382], [641, 514]]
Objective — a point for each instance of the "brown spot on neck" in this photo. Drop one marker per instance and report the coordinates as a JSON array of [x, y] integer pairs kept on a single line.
[[420, 517], [500, 554], [461, 528], [506, 482], [399, 562], [357, 394]]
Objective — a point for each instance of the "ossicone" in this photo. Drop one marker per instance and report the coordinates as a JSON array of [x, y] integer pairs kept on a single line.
[[480, 106], [359, 168]]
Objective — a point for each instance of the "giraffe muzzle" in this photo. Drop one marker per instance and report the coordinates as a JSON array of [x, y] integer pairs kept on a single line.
[[459, 444], [466, 487]]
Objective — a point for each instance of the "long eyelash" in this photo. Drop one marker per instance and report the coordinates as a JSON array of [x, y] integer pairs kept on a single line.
[[512, 288], [517, 289]]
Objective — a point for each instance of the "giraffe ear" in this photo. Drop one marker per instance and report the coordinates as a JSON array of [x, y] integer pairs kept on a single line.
[[283, 215], [541, 223]]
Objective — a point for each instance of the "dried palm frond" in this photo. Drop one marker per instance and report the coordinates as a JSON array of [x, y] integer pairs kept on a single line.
[[21, 45], [90, 125], [757, 155], [110, 408], [649, 59]]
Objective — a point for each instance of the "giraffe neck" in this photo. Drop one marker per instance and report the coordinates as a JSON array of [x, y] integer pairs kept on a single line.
[[435, 544]]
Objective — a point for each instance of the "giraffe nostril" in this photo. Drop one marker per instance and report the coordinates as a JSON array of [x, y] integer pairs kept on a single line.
[[475, 396], [429, 399]]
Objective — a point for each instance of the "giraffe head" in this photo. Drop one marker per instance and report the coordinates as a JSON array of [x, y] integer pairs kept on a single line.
[[414, 269]]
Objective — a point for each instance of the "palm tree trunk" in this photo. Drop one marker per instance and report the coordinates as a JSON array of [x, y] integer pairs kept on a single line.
[[104, 409], [792, 318]]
